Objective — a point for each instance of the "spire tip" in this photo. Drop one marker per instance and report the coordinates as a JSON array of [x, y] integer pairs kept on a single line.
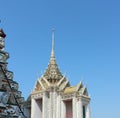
[[52, 53]]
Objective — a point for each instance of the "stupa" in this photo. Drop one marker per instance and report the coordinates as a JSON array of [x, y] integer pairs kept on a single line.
[[11, 101]]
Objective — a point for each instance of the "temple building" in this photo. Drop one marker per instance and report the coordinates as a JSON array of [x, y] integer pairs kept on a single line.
[[54, 97], [11, 100]]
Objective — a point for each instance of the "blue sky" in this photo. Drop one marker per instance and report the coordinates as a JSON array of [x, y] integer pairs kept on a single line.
[[87, 45]]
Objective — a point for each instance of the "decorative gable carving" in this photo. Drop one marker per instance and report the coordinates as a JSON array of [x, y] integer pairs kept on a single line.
[[38, 87]]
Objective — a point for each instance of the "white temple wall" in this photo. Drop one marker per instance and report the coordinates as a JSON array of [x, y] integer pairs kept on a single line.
[[63, 110], [54, 106], [88, 110], [36, 108]]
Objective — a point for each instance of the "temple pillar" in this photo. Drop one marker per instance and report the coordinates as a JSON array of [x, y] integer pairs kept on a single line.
[[74, 108], [63, 110], [58, 115], [79, 109], [54, 103], [45, 101], [51, 105], [88, 110], [33, 108]]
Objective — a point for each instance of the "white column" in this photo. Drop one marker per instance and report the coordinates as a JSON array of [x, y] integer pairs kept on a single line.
[[79, 109], [32, 108], [74, 107], [51, 105], [45, 107], [63, 110], [35, 110], [54, 104], [58, 115], [88, 110]]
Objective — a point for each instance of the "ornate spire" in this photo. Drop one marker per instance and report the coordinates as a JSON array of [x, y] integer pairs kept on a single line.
[[52, 72]]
